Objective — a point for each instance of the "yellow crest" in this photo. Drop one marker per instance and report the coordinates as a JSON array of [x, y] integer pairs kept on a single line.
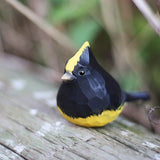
[[73, 61]]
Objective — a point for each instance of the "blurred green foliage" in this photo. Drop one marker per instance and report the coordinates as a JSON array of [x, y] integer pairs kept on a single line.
[[81, 26], [83, 30], [67, 10]]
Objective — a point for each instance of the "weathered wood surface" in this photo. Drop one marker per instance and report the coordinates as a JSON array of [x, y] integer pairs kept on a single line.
[[31, 128]]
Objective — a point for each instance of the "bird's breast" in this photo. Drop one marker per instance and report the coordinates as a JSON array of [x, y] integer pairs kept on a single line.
[[84, 97]]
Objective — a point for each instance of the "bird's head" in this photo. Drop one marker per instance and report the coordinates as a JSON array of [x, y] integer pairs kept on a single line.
[[79, 64]]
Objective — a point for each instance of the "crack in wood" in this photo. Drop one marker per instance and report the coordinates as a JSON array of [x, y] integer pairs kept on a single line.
[[78, 154], [12, 150], [125, 144], [28, 129]]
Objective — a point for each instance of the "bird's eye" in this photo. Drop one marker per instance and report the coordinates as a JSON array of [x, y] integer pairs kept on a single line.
[[81, 72]]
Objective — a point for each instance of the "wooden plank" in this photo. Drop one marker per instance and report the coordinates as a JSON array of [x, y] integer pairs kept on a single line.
[[32, 128], [6, 154]]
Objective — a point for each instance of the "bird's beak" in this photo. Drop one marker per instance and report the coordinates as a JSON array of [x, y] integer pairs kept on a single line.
[[68, 76]]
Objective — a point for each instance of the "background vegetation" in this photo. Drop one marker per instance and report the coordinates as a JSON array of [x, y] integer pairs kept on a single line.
[[48, 32]]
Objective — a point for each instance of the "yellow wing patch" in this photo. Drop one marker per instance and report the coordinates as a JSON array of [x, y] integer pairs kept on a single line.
[[95, 120], [73, 61]]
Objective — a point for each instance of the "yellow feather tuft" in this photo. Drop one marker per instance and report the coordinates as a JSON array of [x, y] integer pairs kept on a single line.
[[73, 61]]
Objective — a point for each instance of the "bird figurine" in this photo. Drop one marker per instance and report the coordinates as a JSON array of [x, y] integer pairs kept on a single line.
[[88, 95]]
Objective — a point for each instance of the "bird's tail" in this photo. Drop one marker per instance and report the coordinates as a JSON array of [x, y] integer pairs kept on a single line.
[[136, 96]]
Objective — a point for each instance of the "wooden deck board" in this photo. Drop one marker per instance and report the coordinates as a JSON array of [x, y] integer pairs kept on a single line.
[[32, 128]]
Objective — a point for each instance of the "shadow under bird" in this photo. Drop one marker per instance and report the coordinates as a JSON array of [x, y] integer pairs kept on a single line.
[[88, 95]]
